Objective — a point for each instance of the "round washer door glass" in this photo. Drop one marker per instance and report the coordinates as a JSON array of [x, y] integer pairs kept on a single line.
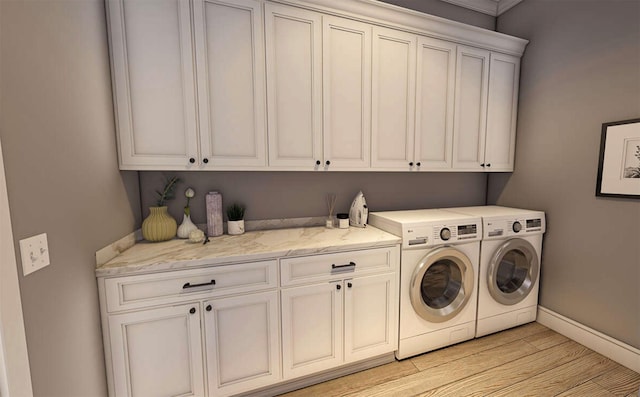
[[441, 284], [513, 271]]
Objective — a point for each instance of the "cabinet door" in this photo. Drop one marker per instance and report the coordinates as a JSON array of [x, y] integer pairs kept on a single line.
[[502, 109], [472, 75], [294, 86], [346, 91], [154, 83], [370, 316], [311, 328], [435, 88], [157, 352], [242, 342], [393, 98], [231, 82]]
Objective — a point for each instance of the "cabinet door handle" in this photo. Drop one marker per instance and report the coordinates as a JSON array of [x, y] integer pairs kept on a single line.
[[328, 162], [205, 160], [338, 286], [208, 308], [192, 160], [189, 285], [350, 264], [482, 165], [349, 285], [411, 164], [418, 164], [489, 165], [318, 162], [192, 310]]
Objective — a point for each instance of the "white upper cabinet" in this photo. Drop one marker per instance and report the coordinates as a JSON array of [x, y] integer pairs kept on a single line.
[[154, 82], [346, 93], [504, 73], [435, 90], [231, 82], [315, 85], [472, 76], [392, 97], [294, 89], [167, 53]]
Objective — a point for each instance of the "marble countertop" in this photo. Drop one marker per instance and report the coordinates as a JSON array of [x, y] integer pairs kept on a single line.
[[144, 257]]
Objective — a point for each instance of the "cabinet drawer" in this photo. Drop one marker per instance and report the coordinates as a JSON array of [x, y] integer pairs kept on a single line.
[[316, 268], [132, 292]]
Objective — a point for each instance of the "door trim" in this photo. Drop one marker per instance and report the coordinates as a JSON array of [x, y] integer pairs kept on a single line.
[[15, 373]]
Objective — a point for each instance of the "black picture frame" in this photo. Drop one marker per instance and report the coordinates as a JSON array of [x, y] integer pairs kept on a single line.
[[612, 180]]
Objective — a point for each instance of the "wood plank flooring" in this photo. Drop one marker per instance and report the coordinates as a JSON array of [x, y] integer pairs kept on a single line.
[[530, 360]]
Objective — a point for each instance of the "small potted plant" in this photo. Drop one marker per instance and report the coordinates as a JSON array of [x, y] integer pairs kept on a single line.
[[235, 216], [159, 225]]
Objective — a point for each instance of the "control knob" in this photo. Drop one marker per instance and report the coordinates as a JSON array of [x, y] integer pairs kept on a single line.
[[445, 234], [517, 226]]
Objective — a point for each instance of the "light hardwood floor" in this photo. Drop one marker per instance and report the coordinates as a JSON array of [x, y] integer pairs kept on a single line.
[[530, 360]]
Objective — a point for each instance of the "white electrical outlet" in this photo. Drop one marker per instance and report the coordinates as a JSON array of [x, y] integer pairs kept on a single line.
[[35, 253]]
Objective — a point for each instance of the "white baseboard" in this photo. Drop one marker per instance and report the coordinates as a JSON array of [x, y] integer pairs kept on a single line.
[[609, 347]]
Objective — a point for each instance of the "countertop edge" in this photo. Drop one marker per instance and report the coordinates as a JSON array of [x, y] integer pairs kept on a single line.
[[380, 239]]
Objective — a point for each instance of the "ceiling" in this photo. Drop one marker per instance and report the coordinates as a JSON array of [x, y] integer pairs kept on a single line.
[[490, 7]]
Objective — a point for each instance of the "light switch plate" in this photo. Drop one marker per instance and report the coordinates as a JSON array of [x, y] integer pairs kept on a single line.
[[35, 253]]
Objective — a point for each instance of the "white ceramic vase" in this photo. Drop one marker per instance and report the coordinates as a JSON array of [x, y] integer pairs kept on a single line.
[[186, 227], [235, 227]]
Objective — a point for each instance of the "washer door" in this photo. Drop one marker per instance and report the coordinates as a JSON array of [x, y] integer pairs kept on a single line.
[[441, 284], [513, 271]]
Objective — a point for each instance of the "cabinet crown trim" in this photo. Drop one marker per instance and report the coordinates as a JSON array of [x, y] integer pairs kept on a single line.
[[396, 17]]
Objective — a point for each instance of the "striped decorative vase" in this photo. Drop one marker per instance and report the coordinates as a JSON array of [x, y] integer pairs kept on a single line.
[[159, 225]]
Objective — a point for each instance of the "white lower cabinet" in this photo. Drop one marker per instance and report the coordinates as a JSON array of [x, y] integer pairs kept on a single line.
[[311, 328], [348, 318], [228, 330], [157, 352], [370, 316], [242, 342]]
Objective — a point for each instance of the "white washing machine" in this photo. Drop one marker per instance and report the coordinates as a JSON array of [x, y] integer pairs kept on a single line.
[[438, 276], [510, 255]]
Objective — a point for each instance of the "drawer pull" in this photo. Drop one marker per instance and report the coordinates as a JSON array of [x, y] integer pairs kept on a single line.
[[349, 265], [189, 285]]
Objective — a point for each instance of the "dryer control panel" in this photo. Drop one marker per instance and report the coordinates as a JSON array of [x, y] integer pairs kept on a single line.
[[441, 234], [513, 226]]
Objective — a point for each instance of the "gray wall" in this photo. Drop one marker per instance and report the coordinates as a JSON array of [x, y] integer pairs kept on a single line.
[[274, 195], [581, 69], [58, 141]]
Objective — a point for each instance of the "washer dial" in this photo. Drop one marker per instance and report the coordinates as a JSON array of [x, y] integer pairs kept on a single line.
[[445, 234], [517, 226]]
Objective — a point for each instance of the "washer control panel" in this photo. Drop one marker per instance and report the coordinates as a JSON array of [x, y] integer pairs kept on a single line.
[[500, 228], [437, 234]]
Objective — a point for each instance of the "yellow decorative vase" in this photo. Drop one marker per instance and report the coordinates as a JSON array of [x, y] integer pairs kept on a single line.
[[159, 225]]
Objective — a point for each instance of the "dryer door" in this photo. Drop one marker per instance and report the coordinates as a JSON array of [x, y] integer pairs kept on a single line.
[[513, 271], [442, 284]]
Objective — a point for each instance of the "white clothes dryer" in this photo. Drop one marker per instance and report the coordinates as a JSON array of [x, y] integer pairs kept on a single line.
[[510, 255], [438, 276]]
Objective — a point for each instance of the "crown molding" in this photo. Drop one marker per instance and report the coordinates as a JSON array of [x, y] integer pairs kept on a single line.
[[391, 16], [490, 7], [504, 5]]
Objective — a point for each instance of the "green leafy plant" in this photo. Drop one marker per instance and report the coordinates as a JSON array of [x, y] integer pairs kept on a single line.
[[235, 212], [168, 192]]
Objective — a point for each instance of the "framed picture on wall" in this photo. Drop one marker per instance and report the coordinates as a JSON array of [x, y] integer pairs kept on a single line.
[[619, 167]]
